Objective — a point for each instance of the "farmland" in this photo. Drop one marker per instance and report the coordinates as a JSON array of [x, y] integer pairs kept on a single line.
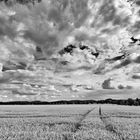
[[69, 122]]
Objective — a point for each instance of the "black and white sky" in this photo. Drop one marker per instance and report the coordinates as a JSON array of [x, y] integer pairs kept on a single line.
[[69, 49]]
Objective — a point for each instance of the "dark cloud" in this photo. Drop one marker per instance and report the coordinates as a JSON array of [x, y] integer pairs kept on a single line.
[[7, 28], [136, 76], [49, 23], [4, 80], [80, 12], [107, 84], [138, 2], [137, 60], [11, 66], [8, 76], [16, 92], [126, 61], [123, 21], [48, 27], [107, 10], [81, 36], [123, 63]]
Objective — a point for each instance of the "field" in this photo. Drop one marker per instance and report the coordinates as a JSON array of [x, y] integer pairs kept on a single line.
[[70, 122]]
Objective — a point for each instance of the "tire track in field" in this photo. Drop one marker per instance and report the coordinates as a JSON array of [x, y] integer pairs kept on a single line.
[[79, 123], [108, 125]]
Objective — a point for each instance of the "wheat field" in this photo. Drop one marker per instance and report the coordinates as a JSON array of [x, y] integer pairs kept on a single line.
[[69, 122]]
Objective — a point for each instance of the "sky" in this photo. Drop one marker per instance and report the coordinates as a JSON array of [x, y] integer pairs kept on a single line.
[[69, 49]]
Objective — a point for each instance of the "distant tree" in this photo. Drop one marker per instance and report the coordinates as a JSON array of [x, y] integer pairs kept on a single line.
[[130, 101], [122, 102], [137, 101]]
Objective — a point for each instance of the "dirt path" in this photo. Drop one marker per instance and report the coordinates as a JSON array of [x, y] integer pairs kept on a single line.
[[108, 124]]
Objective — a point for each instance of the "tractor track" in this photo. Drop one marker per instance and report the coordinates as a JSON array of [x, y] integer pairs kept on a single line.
[[109, 126], [79, 123]]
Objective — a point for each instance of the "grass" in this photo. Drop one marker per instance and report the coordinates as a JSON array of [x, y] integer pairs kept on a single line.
[[69, 122]]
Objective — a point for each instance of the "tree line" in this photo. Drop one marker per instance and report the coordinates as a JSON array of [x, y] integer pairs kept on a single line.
[[129, 101], [21, 1]]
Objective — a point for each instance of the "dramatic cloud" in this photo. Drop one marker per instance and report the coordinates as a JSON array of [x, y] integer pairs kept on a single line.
[[63, 49], [50, 23]]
